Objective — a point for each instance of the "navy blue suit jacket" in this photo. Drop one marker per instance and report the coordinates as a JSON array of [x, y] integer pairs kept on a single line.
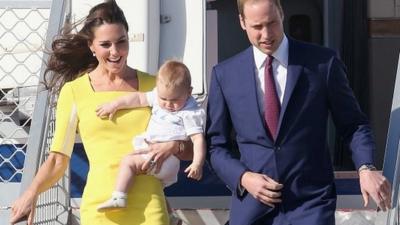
[[299, 158]]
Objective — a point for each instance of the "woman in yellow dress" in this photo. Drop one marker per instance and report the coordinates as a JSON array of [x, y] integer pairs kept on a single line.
[[90, 67]]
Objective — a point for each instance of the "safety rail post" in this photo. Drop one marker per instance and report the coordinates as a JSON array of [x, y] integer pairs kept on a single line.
[[53, 205], [391, 166]]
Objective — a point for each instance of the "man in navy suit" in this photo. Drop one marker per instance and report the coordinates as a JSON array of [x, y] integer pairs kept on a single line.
[[284, 174]]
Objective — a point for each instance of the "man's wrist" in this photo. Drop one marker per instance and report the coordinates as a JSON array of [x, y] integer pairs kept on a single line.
[[242, 181], [241, 189], [367, 166]]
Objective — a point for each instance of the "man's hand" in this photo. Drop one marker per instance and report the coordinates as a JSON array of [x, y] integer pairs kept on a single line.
[[262, 188], [376, 186]]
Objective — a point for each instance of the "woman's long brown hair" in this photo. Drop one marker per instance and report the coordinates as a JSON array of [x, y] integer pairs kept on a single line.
[[70, 55]]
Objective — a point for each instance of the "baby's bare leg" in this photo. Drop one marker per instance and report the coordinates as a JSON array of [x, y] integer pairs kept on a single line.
[[130, 167]]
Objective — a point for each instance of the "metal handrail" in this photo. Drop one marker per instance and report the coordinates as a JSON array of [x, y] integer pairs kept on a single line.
[[391, 166], [53, 205]]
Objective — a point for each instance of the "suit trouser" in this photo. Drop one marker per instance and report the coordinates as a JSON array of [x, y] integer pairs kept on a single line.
[[276, 217], [273, 217]]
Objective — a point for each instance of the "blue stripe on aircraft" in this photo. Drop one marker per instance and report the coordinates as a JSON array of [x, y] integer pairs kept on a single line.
[[210, 185]]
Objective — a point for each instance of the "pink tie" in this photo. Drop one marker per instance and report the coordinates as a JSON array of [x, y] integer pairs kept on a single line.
[[272, 104]]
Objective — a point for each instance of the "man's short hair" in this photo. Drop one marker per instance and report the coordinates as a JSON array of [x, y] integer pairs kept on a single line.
[[241, 4]]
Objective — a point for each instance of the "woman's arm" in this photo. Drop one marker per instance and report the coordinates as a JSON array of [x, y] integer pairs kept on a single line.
[[49, 173]]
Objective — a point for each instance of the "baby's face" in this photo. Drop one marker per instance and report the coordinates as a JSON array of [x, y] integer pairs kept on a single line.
[[172, 99]]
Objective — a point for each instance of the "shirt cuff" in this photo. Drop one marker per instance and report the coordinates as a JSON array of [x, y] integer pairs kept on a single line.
[[240, 190]]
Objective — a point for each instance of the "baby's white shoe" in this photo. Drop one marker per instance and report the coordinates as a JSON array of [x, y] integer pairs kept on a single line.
[[115, 202]]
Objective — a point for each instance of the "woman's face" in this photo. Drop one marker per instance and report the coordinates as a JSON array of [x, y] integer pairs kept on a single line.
[[111, 46]]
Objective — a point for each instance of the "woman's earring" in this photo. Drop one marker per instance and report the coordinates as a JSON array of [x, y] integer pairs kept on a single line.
[[94, 54]]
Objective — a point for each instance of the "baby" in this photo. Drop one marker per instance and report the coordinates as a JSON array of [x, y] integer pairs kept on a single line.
[[175, 116]]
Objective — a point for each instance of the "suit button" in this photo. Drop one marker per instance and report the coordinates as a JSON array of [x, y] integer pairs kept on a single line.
[[277, 148]]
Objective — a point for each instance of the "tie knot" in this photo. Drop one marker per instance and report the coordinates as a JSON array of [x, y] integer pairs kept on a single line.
[[269, 60]]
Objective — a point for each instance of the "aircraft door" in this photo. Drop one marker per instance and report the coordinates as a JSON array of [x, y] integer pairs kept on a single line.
[[303, 20]]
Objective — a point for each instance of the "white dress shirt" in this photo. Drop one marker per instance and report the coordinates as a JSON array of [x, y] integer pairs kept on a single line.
[[279, 70]]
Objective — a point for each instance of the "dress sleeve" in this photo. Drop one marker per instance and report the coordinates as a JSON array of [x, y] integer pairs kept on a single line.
[[66, 122], [193, 121]]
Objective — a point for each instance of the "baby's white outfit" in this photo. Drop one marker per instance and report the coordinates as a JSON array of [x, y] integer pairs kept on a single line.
[[170, 126]]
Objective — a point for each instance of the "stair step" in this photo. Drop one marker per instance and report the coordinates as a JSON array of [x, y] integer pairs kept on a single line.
[[220, 216]]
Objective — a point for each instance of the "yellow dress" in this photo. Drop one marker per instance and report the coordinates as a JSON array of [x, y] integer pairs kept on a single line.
[[106, 142]]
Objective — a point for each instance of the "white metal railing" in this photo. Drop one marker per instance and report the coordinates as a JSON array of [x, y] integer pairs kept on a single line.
[[27, 29], [391, 166]]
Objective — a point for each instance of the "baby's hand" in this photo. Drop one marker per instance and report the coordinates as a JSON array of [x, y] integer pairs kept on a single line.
[[106, 110], [194, 171]]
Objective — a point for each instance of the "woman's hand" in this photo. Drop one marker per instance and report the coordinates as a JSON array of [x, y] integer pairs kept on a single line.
[[158, 152], [24, 208], [49, 173]]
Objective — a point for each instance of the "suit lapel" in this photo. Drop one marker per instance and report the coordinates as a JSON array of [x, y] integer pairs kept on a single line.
[[248, 82], [294, 71]]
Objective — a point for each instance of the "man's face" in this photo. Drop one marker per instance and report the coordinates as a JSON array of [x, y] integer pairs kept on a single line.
[[263, 24]]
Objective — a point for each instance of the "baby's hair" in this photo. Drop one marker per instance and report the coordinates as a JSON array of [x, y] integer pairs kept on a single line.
[[174, 74]]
